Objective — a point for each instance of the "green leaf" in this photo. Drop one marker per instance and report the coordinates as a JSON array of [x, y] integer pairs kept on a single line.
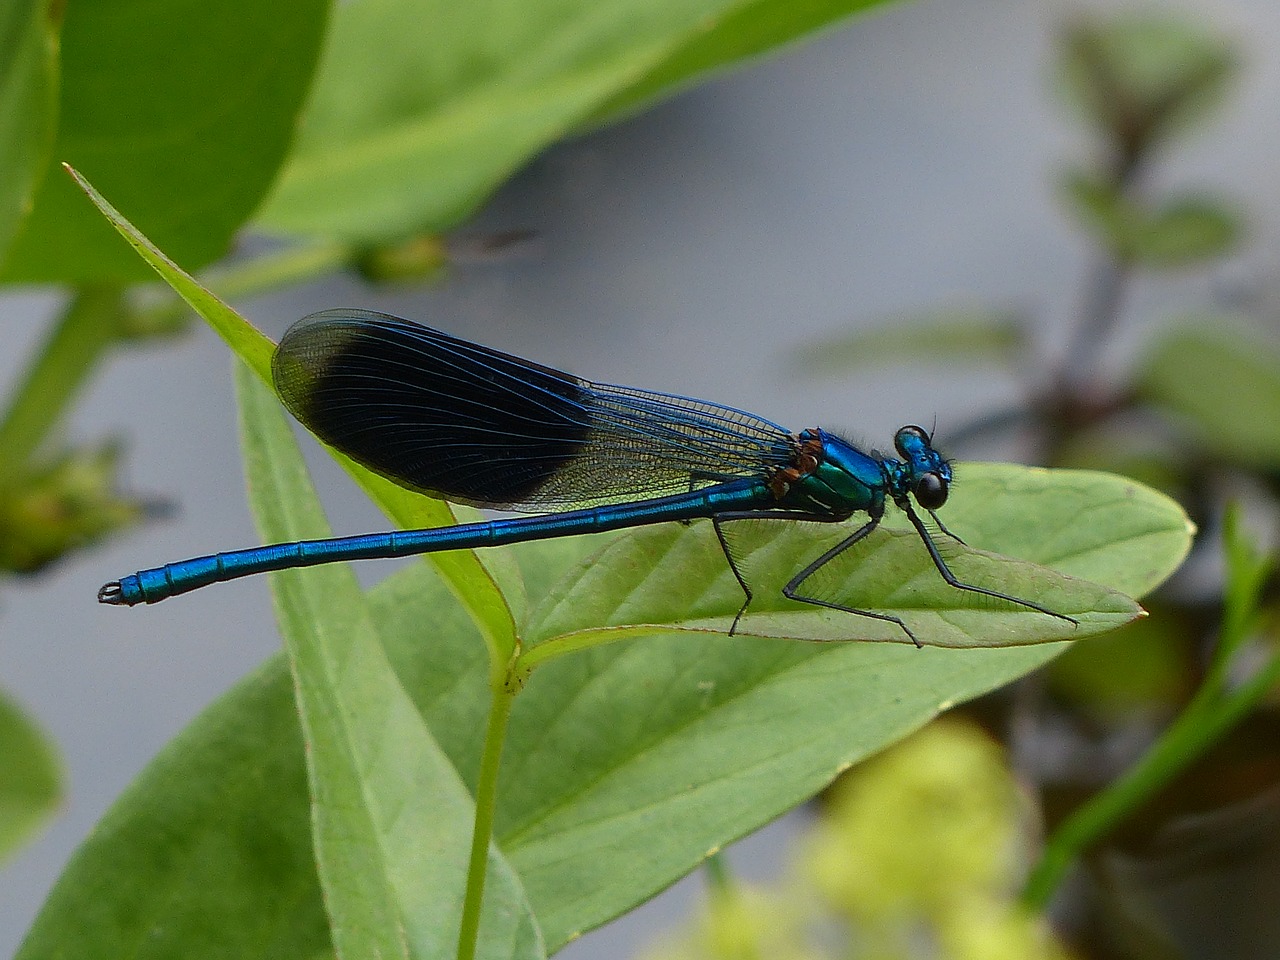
[[185, 118], [207, 854], [1186, 230], [421, 110], [391, 816], [1224, 381], [945, 336], [30, 777], [1061, 518], [28, 106]]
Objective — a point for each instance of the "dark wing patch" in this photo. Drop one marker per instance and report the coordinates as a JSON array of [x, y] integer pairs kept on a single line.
[[473, 425]]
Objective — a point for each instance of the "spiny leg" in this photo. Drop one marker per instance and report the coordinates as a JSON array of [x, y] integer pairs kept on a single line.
[[790, 590], [951, 578], [717, 520], [943, 527]]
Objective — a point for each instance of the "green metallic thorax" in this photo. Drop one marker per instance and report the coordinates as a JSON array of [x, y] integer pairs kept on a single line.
[[844, 481]]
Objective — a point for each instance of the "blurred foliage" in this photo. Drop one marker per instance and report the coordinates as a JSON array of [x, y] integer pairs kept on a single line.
[[65, 505], [1139, 80], [1127, 733], [918, 853], [30, 777]]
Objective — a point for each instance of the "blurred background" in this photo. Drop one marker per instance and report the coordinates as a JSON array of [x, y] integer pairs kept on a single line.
[[768, 239]]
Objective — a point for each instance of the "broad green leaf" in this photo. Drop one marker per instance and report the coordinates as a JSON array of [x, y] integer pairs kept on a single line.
[[1224, 380], [30, 777], [1060, 517], [28, 106], [183, 113], [391, 816], [207, 854], [474, 581], [422, 109]]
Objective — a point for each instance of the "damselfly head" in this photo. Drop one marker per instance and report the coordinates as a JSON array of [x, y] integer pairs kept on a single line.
[[929, 474]]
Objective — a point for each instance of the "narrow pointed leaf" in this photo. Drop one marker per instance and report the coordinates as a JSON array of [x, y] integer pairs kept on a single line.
[[391, 818]]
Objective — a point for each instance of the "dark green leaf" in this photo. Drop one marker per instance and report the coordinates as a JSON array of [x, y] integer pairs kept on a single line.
[[28, 106], [207, 854], [183, 113], [30, 777]]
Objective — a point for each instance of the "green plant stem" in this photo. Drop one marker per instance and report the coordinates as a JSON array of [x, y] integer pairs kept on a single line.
[[89, 324], [482, 832], [1206, 719]]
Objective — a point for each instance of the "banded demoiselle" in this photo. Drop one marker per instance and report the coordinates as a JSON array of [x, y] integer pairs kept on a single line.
[[459, 421]]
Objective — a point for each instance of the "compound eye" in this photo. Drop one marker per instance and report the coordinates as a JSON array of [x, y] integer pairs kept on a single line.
[[931, 491]]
